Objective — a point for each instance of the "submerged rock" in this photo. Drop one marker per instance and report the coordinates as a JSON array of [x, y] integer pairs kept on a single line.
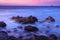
[[42, 37], [2, 24], [20, 27], [12, 38], [50, 19], [30, 28], [3, 35], [53, 37], [25, 20]]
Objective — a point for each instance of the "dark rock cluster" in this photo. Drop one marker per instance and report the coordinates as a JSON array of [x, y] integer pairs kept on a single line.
[[25, 20], [28, 29], [50, 19], [42, 37]]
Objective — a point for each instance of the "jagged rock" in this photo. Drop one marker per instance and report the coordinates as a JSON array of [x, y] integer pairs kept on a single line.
[[30, 28], [2, 24], [25, 20], [53, 37], [12, 38], [3, 35], [50, 19], [41, 37]]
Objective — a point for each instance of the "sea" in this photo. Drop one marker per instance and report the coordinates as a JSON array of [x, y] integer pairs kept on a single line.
[[40, 12]]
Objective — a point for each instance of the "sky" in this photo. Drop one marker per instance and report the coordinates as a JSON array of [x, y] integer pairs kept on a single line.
[[31, 2]]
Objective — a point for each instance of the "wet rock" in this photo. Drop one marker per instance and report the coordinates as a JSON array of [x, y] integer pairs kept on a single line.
[[2, 24], [8, 31], [3, 35], [20, 38], [50, 19], [28, 39], [17, 17], [30, 28], [25, 20], [41, 37], [32, 19], [12, 38], [53, 37]]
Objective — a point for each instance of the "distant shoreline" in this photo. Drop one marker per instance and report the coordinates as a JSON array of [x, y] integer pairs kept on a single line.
[[26, 7]]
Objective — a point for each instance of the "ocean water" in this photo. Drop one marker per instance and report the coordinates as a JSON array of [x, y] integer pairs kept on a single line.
[[40, 13]]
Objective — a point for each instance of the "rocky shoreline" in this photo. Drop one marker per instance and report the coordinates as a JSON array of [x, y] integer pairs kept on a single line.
[[29, 29]]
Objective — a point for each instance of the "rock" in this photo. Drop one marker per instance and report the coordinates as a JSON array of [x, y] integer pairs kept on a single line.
[[3, 35], [2, 24], [41, 37], [20, 38], [12, 38], [17, 17], [32, 19], [25, 20], [30, 28], [28, 39], [8, 31], [53, 37], [50, 19]]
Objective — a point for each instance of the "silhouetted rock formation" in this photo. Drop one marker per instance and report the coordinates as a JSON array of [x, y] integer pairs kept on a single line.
[[3, 35], [25, 20], [42, 37], [30, 28], [12, 38], [50, 19], [2, 24], [53, 37]]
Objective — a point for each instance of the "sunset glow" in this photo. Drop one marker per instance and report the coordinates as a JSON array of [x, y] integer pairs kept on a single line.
[[29, 2]]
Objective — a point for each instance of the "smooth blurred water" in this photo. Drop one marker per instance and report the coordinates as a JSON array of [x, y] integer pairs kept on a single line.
[[40, 13]]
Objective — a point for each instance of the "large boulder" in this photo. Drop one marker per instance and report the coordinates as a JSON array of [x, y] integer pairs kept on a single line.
[[3, 35], [41, 37], [2, 24], [50, 19], [25, 20], [30, 28]]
